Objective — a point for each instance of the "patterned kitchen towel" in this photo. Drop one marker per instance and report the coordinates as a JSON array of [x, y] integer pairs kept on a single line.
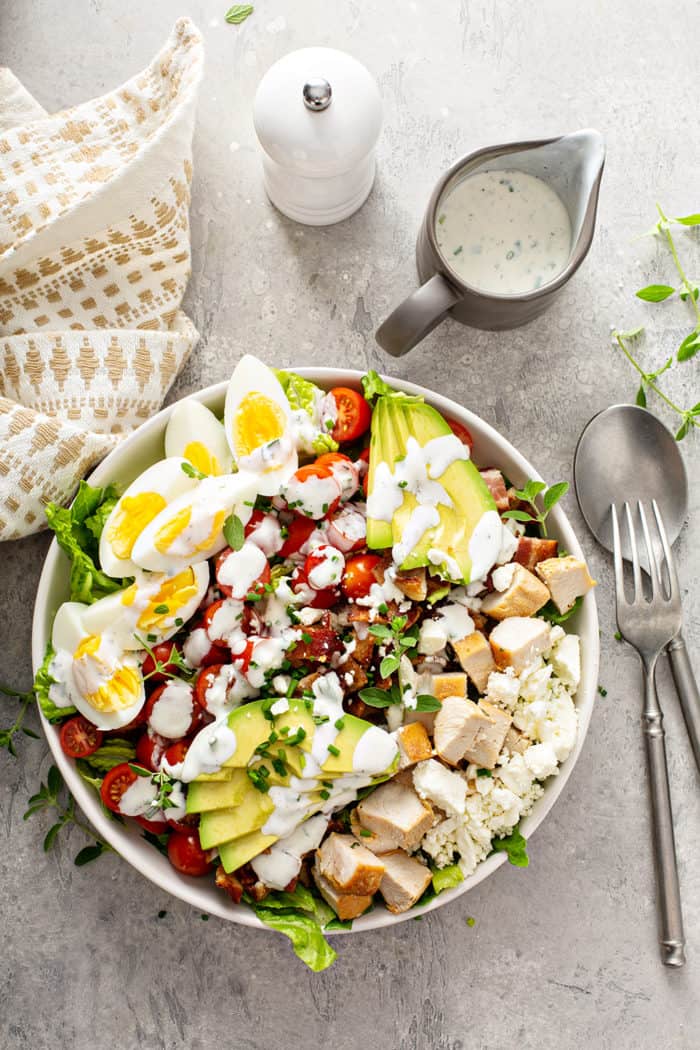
[[94, 261]]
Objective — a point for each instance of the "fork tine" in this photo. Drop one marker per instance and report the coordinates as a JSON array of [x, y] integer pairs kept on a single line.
[[617, 555], [670, 563], [637, 572], [654, 574]]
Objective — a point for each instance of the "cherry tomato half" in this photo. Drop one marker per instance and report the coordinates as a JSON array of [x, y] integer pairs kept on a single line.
[[359, 575], [186, 855], [206, 678], [354, 414], [79, 738], [461, 432], [115, 783], [162, 653], [345, 472], [258, 586], [150, 748], [325, 599], [157, 827], [153, 699], [298, 532]]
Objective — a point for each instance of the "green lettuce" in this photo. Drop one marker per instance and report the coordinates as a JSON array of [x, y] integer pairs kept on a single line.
[[112, 753], [373, 386], [550, 612], [300, 915], [515, 846], [77, 529], [302, 393], [447, 878], [42, 683]]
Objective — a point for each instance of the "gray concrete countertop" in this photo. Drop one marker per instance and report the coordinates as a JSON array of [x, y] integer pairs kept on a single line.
[[563, 955]]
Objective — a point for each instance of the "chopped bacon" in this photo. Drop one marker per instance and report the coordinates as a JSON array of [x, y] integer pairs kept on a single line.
[[322, 642], [364, 650], [532, 550], [359, 678], [497, 487], [229, 884]]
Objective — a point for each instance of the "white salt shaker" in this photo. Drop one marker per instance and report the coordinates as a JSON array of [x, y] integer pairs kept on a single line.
[[317, 115]]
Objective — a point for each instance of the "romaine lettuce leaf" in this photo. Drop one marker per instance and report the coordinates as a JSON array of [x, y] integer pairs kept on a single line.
[[515, 845], [42, 683], [447, 878], [303, 394], [112, 753], [304, 932], [77, 529]]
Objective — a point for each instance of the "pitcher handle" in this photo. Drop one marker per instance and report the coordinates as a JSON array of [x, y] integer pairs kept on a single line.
[[416, 316]]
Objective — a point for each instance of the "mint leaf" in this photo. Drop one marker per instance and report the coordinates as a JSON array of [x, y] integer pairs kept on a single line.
[[655, 293], [50, 838], [89, 853], [518, 515], [234, 533], [683, 430], [388, 665], [515, 846], [238, 13]]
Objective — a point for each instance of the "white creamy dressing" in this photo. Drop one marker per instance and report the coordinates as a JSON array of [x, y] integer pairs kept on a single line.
[[225, 624], [61, 668], [196, 646], [347, 528], [381, 594], [313, 496], [241, 568], [138, 798], [172, 712], [485, 543], [451, 624], [329, 570], [446, 561], [228, 689], [207, 753], [282, 862], [504, 232], [348, 477], [267, 535]]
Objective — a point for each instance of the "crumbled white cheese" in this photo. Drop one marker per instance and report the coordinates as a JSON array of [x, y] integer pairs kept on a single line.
[[509, 545], [566, 660], [502, 577], [435, 782], [503, 688], [541, 760], [280, 706]]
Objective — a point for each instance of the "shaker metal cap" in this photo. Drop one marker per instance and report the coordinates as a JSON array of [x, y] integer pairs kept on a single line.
[[317, 112]]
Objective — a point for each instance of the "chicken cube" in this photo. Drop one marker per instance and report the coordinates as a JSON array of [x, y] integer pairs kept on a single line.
[[566, 579], [395, 811], [489, 740], [519, 640], [413, 583], [382, 843], [515, 741], [405, 880], [457, 725], [524, 596], [497, 487], [348, 865], [475, 656], [452, 683], [345, 905], [532, 550], [414, 744]]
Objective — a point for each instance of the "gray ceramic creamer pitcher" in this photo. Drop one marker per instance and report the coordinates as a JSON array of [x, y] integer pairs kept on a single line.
[[572, 166]]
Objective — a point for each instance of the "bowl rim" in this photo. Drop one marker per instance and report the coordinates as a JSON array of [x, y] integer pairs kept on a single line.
[[128, 842]]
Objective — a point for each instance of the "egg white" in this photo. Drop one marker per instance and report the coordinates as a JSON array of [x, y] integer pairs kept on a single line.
[[165, 479], [194, 433], [274, 462], [67, 634], [212, 498]]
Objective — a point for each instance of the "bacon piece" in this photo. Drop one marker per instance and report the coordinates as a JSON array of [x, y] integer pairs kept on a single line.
[[497, 487], [229, 884], [532, 550]]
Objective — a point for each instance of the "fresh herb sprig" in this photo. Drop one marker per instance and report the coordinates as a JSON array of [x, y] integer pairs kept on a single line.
[[49, 798], [7, 736], [687, 291], [381, 698], [395, 636], [164, 785], [529, 494], [162, 667], [238, 13]]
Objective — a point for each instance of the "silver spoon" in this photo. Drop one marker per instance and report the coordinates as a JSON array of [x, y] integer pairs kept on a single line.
[[626, 454]]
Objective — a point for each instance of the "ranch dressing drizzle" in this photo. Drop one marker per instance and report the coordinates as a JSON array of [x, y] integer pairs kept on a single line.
[[208, 751], [504, 232]]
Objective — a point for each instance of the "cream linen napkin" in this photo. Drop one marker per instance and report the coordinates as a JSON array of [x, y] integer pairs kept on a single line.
[[94, 260]]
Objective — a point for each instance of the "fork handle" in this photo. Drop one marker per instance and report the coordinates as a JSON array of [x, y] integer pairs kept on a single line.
[[687, 689], [672, 939]]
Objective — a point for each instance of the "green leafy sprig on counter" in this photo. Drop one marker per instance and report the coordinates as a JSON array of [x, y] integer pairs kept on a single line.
[[7, 736], [238, 13], [49, 799], [529, 493], [687, 291]]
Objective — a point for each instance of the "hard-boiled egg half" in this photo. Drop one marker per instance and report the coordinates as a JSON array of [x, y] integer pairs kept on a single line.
[[152, 609], [101, 680], [258, 424], [190, 529], [194, 433], [143, 501]]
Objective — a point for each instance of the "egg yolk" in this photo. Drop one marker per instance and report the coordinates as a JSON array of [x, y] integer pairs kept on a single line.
[[172, 530], [105, 684], [172, 596], [133, 515], [201, 458], [258, 421]]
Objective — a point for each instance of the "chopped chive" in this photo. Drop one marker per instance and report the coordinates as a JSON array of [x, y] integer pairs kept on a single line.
[[306, 638], [471, 921], [333, 750], [340, 723], [602, 690], [366, 833], [179, 621], [324, 794], [161, 610]]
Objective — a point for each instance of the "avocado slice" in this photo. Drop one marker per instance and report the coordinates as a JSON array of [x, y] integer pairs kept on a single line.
[[222, 825], [204, 796], [239, 851], [252, 727], [395, 419]]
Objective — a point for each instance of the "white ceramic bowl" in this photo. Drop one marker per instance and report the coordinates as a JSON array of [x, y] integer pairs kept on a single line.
[[144, 447]]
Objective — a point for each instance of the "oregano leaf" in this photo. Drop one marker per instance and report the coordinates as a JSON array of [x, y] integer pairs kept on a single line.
[[655, 293], [238, 13], [688, 220], [554, 494], [234, 533], [641, 398]]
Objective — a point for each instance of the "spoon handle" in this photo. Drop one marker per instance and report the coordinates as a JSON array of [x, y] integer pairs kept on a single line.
[[687, 691]]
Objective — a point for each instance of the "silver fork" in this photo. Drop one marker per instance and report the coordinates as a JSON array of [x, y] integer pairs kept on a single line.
[[649, 625]]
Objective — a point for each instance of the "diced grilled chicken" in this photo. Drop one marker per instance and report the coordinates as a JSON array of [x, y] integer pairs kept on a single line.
[[414, 744], [394, 811], [345, 905], [566, 578], [475, 656], [532, 550], [515, 741], [524, 596], [497, 487], [413, 584], [376, 843], [451, 683], [519, 640], [489, 740], [348, 865], [457, 725], [405, 880]]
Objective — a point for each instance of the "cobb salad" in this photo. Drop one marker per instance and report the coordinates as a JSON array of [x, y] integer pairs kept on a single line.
[[315, 651]]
